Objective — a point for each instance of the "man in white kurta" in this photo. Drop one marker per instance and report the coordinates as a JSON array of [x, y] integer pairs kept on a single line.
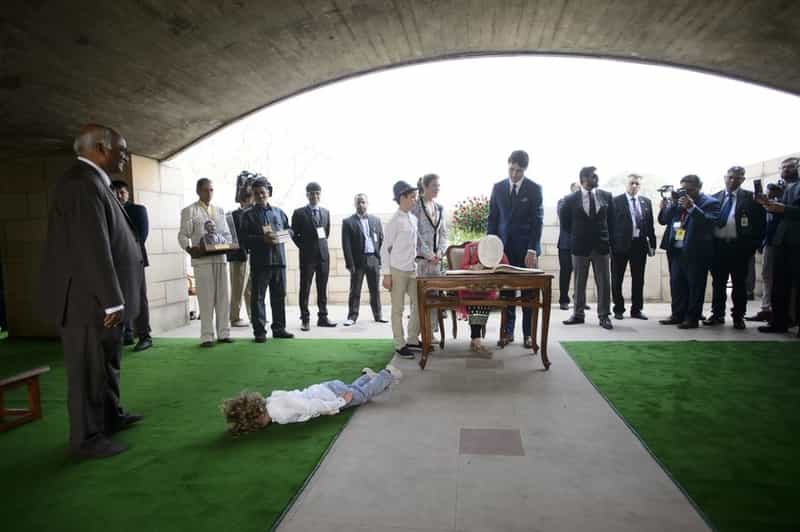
[[210, 271]]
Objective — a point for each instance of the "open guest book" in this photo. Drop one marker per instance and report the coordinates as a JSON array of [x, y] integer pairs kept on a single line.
[[500, 268]]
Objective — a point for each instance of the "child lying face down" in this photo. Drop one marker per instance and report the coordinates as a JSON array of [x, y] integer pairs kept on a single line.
[[250, 411]]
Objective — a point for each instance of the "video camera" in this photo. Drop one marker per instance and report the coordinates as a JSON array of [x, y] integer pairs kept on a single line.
[[669, 192]]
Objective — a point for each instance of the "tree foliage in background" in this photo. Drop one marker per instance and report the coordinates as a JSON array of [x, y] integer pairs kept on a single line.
[[469, 219]]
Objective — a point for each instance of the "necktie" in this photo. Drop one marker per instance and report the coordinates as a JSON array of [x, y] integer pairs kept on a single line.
[[592, 206], [315, 215], [637, 214], [514, 191], [726, 211]]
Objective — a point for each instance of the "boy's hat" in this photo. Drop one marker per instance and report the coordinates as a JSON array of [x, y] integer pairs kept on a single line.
[[490, 250], [400, 188]]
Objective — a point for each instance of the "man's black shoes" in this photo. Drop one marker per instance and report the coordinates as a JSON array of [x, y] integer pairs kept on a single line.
[[325, 322], [282, 333], [714, 320], [404, 352], [573, 320], [144, 343], [638, 316], [605, 323]]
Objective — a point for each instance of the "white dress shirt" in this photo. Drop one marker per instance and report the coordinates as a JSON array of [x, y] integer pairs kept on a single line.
[[399, 249], [631, 199], [728, 231], [369, 245], [107, 180], [585, 195], [297, 406]]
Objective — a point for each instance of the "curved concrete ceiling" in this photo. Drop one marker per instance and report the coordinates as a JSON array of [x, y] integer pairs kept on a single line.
[[167, 73]]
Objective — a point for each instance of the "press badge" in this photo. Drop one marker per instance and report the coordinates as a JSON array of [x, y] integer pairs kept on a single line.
[[680, 232], [321, 233], [744, 222]]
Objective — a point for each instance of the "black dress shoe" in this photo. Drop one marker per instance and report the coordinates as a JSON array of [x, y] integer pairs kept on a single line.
[[714, 320], [144, 343], [638, 316], [670, 321], [123, 423], [207, 344], [738, 324], [772, 329], [527, 343], [325, 322], [102, 448], [225, 340], [688, 324], [128, 340], [404, 352], [619, 316], [563, 306], [418, 347], [381, 320], [505, 340], [761, 315], [305, 326], [573, 320], [282, 333], [605, 323], [260, 339]]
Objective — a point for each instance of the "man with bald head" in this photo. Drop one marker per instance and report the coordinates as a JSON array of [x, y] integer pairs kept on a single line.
[[91, 277]]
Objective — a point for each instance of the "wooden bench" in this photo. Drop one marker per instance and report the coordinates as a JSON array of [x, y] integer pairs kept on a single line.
[[13, 417]]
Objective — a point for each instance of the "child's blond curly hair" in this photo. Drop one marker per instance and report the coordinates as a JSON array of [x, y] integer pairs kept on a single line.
[[243, 412]]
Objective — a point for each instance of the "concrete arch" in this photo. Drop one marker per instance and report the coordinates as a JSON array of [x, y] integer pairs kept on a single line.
[[169, 73]]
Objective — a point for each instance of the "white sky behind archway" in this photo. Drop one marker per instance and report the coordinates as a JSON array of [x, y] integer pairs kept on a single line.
[[462, 118]]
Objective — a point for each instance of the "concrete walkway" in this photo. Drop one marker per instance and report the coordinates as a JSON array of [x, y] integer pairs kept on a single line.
[[495, 445]]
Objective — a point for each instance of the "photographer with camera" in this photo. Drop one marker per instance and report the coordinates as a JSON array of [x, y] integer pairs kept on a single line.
[[261, 225], [774, 191], [786, 249], [737, 235], [691, 217]]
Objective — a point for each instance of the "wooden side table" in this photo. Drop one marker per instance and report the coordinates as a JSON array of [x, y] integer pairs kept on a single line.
[[13, 417], [429, 297]]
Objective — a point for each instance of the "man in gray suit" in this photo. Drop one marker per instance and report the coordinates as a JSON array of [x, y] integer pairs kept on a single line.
[[91, 277]]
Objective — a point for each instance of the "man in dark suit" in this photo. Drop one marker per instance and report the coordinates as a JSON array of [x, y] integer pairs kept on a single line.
[[633, 239], [564, 246], [261, 225], [362, 238], [140, 325], [311, 227], [516, 216], [92, 275], [588, 215], [739, 232], [691, 217], [786, 247]]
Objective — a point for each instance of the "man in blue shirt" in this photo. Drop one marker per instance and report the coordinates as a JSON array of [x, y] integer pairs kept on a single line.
[[261, 225]]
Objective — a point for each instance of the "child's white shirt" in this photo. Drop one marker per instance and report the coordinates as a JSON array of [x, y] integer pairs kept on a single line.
[[297, 406]]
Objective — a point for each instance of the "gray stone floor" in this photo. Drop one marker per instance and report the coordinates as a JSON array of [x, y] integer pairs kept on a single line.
[[402, 463]]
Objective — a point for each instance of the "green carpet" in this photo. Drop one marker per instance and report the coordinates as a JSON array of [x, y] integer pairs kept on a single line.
[[183, 472], [722, 417]]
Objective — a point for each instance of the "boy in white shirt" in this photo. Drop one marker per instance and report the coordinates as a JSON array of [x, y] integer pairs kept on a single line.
[[398, 261], [250, 411]]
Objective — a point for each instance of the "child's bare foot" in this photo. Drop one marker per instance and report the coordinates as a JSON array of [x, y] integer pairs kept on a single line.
[[476, 346]]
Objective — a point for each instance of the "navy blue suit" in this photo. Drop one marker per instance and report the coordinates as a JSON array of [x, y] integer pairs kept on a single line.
[[140, 325], [689, 265], [518, 222]]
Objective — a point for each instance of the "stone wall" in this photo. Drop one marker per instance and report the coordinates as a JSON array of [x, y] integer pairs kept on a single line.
[[159, 187]]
